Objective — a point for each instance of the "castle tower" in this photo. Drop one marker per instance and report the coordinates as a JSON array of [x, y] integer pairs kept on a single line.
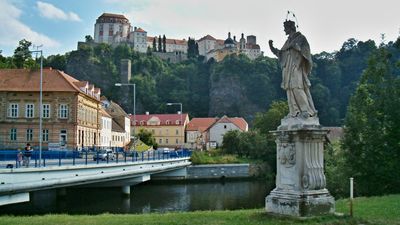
[[242, 42], [111, 28]]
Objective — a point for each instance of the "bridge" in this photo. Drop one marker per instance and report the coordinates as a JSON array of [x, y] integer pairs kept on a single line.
[[16, 183]]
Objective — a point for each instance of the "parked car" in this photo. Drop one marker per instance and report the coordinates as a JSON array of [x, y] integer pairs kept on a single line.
[[104, 154]]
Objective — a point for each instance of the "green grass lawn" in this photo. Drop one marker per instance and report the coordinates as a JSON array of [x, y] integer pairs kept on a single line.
[[372, 210], [215, 157]]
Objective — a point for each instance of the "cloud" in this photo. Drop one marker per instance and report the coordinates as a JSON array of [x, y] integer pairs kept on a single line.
[[12, 29], [48, 10]]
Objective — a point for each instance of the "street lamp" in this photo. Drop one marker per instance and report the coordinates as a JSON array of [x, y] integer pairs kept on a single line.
[[40, 102], [134, 109], [40, 99], [178, 103]]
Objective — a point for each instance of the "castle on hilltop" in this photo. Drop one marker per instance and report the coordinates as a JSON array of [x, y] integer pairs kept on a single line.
[[115, 29]]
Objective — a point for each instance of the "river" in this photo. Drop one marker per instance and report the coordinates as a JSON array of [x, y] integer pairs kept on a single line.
[[147, 197]]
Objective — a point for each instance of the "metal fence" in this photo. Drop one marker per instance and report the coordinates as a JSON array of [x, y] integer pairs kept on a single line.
[[10, 158]]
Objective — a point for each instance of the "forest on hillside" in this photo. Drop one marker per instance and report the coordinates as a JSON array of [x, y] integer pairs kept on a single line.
[[236, 86]]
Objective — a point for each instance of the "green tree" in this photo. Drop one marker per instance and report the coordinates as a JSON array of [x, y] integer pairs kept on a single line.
[[147, 138], [159, 44], [230, 142], [371, 146], [89, 39], [155, 44], [164, 40], [56, 62], [22, 56], [270, 120], [193, 48]]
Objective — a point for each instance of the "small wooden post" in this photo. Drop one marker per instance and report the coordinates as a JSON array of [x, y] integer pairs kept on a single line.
[[351, 196]]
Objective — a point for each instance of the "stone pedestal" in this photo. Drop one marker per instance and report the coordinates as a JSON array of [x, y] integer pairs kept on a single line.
[[300, 180]]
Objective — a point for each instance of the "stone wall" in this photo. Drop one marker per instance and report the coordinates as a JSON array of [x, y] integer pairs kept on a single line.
[[218, 171]]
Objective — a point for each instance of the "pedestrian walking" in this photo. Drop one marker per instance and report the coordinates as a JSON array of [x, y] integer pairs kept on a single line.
[[27, 155], [19, 158]]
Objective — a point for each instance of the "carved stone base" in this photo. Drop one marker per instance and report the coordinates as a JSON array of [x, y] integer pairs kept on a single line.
[[310, 203], [300, 179]]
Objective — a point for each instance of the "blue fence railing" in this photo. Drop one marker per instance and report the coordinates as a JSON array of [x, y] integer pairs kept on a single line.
[[10, 159]]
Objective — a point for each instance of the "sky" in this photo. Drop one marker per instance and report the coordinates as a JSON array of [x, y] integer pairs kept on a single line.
[[58, 25]]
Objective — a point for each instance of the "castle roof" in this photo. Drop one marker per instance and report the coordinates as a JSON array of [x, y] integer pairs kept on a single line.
[[207, 37], [112, 15], [169, 41], [140, 30], [112, 18]]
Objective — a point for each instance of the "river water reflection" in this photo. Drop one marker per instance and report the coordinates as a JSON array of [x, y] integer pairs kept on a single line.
[[147, 197]]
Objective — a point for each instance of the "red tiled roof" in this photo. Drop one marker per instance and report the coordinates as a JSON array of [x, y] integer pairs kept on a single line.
[[26, 80], [238, 121], [112, 15], [207, 37], [172, 118], [140, 30], [220, 42], [169, 41], [200, 124]]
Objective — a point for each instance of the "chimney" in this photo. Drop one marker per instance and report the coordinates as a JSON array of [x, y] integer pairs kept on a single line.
[[234, 38], [135, 28], [125, 70], [229, 34]]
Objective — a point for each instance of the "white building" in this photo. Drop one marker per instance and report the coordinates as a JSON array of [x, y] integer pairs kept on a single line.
[[120, 125], [222, 126], [111, 28], [171, 45], [211, 47], [105, 132], [139, 39], [118, 135]]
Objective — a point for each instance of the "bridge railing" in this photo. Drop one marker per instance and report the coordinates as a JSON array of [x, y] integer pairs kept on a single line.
[[17, 159]]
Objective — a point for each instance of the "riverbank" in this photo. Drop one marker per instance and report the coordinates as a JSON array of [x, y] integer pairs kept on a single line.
[[372, 210]]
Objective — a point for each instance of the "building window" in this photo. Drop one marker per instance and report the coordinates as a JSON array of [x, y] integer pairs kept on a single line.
[[167, 122], [141, 123], [13, 110], [45, 135], [224, 126], [153, 131], [63, 137], [176, 141], [46, 110], [160, 141], [13, 134], [29, 110], [29, 135], [63, 111], [177, 122], [176, 131], [166, 141]]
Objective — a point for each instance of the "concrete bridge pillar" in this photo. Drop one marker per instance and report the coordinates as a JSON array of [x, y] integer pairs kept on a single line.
[[61, 192], [126, 190]]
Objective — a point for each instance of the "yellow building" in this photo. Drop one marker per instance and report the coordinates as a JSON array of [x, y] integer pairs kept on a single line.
[[70, 115], [167, 129]]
